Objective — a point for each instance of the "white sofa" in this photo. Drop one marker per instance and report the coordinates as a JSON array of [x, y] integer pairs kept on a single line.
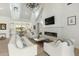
[[53, 50], [30, 50]]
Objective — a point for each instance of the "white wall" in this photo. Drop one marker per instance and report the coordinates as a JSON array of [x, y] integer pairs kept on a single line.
[[7, 22], [53, 10], [71, 31], [61, 11]]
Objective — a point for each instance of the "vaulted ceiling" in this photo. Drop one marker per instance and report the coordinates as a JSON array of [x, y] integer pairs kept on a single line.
[[5, 10], [17, 11]]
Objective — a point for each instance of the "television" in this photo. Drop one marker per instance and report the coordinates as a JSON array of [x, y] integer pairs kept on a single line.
[[50, 20]]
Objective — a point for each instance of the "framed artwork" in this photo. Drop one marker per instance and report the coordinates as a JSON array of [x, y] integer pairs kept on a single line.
[[71, 20], [2, 26]]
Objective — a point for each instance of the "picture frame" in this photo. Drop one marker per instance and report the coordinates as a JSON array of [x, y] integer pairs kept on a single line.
[[2, 26], [71, 20]]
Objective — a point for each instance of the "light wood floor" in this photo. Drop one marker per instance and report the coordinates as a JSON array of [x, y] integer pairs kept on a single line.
[[76, 52], [4, 49]]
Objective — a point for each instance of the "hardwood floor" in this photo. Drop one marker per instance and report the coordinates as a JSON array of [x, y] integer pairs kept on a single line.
[[4, 49], [76, 52], [40, 51]]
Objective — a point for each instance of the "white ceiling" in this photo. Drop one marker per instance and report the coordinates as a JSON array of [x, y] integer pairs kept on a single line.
[[25, 12], [5, 9]]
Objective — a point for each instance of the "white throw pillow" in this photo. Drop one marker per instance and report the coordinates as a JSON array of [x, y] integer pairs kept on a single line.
[[19, 42]]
